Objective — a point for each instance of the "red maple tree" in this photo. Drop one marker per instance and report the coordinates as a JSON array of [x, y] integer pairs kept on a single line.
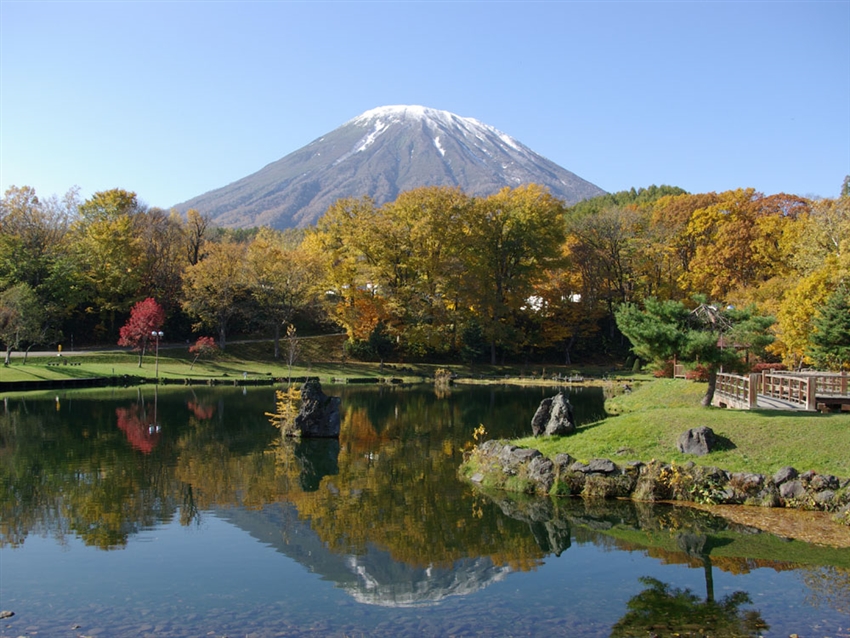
[[204, 346], [145, 317]]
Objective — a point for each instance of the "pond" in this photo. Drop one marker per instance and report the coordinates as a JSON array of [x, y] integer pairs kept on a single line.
[[182, 512]]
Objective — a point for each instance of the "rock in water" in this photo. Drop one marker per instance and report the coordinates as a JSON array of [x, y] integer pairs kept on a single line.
[[554, 417], [699, 441], [319, 413]]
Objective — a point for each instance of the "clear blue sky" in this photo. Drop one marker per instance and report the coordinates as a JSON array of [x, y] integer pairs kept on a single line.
[[172, 99]]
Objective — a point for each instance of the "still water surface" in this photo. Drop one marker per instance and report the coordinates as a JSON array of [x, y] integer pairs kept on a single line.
[[181, 512]]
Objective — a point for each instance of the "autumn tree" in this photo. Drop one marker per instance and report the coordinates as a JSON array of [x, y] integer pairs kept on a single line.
[[798, 307], [32, 236], [819, 259], [670, 217], [739, 242], [566, 308], [424, 267], [162, 258], [216, 289], [203, 347], [21, 318], [282, 279], [399, 264], [334, 242], [196, 235], [603, 247], [145, 317], [511, 238], [107, 248]]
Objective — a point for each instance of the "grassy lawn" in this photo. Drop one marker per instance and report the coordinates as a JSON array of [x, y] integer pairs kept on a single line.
[[318, 356], [646, 423], [255, 360]]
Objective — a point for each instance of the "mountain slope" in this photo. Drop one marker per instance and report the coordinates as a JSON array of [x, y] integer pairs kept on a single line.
[[382, 153]]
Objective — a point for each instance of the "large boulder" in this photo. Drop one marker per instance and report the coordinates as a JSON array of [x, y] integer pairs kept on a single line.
[[554, 417], [319, 414], [699, 441]]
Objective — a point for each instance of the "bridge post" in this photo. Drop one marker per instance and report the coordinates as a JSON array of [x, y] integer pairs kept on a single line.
[[753, 387], [811, 394]]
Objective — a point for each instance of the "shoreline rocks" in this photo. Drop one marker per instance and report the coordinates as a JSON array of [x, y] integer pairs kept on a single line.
[[502, 465]]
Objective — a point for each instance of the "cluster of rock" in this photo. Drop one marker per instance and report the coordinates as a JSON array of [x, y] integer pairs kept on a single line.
[[554, 417], [501, 465], [319, 415]]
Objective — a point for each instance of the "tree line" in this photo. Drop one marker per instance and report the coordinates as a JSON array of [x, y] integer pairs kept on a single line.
[[434, 275]]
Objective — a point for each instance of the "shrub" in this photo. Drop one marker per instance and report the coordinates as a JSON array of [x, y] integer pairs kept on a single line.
[[760, 367], [663, 370], [699, 373]]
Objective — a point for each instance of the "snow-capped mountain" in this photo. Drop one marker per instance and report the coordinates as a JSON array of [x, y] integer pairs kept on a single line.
[[382, 153]]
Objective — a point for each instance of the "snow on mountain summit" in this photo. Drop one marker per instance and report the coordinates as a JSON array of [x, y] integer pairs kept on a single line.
[[381, 153], [437, 120]]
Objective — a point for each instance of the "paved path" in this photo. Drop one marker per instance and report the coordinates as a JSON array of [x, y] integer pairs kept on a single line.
[[770, 403]]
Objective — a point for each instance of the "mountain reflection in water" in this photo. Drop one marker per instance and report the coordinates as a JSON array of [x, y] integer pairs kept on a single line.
[[373, 576]]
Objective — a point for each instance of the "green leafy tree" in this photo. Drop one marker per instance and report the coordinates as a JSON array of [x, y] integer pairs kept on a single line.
[[830, 341], [708, 336], [381, 343], [35, 250], [21, 318]]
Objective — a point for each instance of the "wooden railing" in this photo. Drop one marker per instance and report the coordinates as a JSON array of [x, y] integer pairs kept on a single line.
[[736, 391], [797, 390], [800, 389], [827, 384], [832, 385]]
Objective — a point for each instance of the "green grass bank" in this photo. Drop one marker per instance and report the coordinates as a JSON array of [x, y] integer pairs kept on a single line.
[[646, 423]]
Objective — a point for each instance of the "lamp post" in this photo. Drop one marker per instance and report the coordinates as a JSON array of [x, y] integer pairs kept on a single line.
[[157, 335]]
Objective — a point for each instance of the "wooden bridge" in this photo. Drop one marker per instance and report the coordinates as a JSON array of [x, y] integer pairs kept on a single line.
[[781, 390]]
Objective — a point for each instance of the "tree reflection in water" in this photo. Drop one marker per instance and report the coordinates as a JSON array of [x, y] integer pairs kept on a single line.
[[664, 611], [141, 428], [386, 493]]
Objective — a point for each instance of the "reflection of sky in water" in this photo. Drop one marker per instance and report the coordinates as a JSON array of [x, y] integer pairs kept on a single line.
[[165, 578], [264, 569]]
